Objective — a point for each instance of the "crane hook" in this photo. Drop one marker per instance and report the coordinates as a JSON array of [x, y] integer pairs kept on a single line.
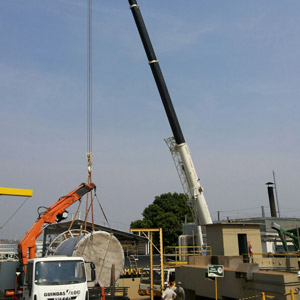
[[89, 159]]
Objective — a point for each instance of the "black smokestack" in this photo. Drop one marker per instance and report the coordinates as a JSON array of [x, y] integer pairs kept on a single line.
[[271, 199]]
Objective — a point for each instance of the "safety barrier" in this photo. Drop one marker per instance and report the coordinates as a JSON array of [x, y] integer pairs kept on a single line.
[[287, 254], [251, 297], [263, 296], [101, 293], [254, 257], [292, 293]]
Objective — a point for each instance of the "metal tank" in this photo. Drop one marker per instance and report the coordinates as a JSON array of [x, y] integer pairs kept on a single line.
[[101, 248]]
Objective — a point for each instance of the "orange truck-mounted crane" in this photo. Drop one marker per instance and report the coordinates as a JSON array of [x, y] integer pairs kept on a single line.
[[40, 277], [52, 214]]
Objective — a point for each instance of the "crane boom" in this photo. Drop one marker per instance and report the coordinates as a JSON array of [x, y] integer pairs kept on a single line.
[[189, 179], [157, 73], [201, 212], [49, 216]]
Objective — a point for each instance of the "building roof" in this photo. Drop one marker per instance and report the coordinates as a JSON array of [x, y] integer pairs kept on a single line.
[[122, 236]]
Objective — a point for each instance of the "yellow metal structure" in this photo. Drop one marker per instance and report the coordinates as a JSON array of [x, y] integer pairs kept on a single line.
[[15, 192], [150, 231], [216, 287], [292, 293]]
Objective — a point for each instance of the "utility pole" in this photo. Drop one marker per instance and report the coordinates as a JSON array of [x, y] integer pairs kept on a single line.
[[276, 195]]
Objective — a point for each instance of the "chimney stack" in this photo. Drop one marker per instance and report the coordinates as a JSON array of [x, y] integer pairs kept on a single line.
[[271, 199]]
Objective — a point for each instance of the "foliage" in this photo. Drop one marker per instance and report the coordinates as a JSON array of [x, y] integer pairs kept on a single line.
[[168, 212]]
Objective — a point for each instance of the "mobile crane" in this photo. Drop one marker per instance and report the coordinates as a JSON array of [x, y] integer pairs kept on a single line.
[[178, 146], [60, 278]]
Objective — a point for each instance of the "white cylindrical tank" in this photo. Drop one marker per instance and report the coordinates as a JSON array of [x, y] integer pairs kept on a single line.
[[101, 248]]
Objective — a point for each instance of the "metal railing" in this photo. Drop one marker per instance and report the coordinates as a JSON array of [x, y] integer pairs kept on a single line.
[[287, 254], [264, 296], [261, 296], [179, 255]]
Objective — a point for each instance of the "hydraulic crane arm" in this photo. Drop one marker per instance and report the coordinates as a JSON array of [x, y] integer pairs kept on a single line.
[[49, 216]]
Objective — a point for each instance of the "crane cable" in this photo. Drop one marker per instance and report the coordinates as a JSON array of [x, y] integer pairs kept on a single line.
[[89, 87], [89, 154], [1, 227], [75, 216]]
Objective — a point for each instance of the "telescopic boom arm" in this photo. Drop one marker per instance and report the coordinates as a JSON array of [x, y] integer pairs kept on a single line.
[[201, 212], [49, 216], [157, 73]]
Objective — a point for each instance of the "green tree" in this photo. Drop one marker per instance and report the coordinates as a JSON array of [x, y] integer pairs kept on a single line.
[[168, 212]]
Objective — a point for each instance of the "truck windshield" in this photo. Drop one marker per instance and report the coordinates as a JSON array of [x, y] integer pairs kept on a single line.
[[59, 272], [145, 277]]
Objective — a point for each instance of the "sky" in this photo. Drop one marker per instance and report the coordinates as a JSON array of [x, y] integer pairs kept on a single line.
[[233, 72]]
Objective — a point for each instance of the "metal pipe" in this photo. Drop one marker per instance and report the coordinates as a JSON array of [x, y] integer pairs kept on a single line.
[[157, 73], [275, 188], [298, 236], [151, 266], [161, 242], [263, 212], [271, 199]]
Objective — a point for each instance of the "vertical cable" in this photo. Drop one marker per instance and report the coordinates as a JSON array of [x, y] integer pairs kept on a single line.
[[89, 76], [89, 155]]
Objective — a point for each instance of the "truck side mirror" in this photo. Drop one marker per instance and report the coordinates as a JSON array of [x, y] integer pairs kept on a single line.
[[20, 278], [93, 267], [93, 272]]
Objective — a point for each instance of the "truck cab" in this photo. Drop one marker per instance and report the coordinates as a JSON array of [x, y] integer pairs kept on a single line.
[[56, 278], [144, 286]]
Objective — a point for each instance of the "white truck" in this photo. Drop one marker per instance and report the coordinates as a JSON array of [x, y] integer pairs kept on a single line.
[[57, 278], [144, 286]]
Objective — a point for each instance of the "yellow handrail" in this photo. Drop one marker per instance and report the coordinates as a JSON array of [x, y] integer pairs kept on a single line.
[[176, 255]]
